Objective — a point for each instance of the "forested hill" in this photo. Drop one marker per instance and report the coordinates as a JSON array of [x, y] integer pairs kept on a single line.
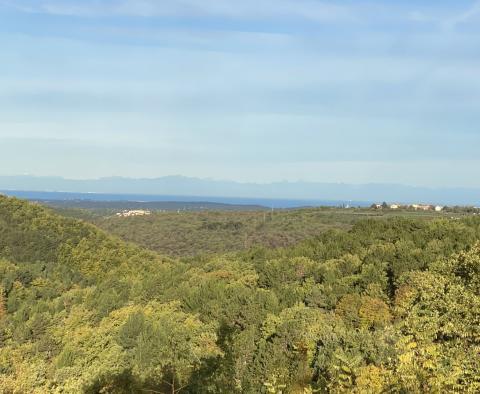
[[389, 306]]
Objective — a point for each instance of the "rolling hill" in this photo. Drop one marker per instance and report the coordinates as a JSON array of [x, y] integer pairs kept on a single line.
[[387, 306]]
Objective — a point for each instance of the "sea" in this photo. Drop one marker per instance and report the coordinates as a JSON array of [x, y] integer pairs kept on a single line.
[[277, 203]]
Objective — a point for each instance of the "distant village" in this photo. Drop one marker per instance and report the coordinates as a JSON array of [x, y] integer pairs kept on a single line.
[[137, 212], [415, 207], [459, 209], [383, 206]]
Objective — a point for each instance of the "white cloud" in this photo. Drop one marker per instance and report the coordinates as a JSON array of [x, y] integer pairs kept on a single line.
[[315, 10]]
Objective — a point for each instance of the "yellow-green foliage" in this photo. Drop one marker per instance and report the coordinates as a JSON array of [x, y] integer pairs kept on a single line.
[[388, 306]]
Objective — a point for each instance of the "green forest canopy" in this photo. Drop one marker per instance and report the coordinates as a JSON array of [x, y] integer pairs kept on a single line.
[[387, 306], [188, 234]]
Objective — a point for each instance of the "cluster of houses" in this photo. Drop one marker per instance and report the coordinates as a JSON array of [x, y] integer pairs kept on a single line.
[[138, 212], [415, 207]]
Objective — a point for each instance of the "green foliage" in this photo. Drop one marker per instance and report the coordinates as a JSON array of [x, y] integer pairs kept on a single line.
[[390, 305], [193, 233], [130, 332]]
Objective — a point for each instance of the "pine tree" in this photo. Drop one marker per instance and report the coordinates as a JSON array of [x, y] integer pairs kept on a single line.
[[3, 309]]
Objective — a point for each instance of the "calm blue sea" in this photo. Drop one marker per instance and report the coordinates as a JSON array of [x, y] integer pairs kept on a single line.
[[271, 203]]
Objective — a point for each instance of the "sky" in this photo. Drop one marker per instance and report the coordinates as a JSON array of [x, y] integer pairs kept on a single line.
[[253, 90]]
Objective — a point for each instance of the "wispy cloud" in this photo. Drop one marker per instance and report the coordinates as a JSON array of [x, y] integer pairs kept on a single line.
[[321, 11], [318, 79], [448, 20], [467, 16]]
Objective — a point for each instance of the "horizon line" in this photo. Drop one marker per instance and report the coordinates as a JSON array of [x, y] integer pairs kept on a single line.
[[266, 183]]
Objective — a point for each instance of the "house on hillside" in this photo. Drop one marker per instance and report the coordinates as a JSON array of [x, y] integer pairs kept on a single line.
[[421, 207]]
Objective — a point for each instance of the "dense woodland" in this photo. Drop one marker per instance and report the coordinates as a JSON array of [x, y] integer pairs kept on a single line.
[[187, 233], [192, 233], [387, 305]]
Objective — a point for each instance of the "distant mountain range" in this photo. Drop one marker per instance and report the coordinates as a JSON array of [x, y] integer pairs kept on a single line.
[[186, 186]]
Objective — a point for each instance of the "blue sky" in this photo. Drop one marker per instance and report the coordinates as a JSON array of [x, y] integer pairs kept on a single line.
[[253, 90]]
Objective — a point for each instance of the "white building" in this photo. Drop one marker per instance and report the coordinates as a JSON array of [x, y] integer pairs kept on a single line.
[[138, 212], [420, 207]]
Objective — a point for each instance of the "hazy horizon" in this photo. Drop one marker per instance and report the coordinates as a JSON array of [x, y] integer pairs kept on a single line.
[[255, 91], [230, 180], [197, 187]]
